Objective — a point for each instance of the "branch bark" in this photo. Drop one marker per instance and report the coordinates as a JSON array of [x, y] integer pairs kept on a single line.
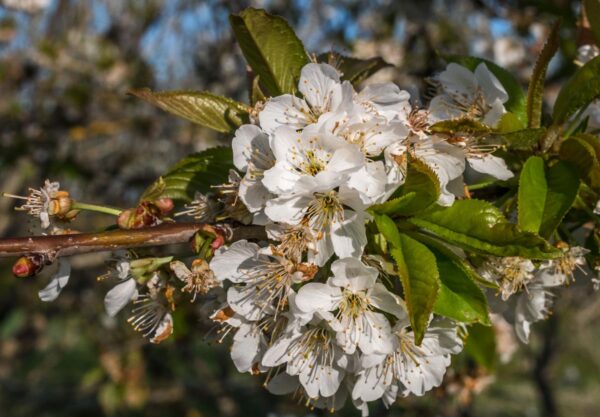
[[67, 245]]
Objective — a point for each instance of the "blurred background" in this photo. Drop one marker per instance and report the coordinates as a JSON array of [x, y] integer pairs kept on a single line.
[[65, 68]]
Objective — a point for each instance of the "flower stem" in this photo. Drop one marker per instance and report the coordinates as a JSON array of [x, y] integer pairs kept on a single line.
[[93, 207]]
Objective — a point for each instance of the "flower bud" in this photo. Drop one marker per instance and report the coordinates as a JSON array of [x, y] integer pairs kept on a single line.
[[209, 239], [27, 266], [165, 205], [125, 219], [143, 268], [146, 214], [60, 203]]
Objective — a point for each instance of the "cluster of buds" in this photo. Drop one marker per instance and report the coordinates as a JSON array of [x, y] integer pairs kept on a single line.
[[146, 214]]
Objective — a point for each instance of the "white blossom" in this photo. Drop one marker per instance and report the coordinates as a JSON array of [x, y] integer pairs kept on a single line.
[[313, 355], [354, 296], [253, 156], [512, 274], [409, 368], [337, 217], [310, 161], [323, 93], [264, 277], [477, 94]]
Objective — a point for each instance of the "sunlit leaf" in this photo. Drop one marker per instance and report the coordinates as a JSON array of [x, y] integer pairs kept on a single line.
[[545, 195], [459, 297], [215, 112], [533, 190], [480, 227], [271, 48], [418, 272]]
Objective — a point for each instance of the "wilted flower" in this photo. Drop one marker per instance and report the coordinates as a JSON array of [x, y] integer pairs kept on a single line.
[[198, 281], [512, 274], [560, 271], [47, 201]]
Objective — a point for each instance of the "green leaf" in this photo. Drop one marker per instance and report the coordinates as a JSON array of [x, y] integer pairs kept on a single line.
[[522, 140], [418, 273], [592, 11], [532, 194], [578, 92], [535, 92], [215, 112], [388, 229], [271, 48], [465, 125], [197, 172], [439, 246], [420, 190], [481, 346], [563, 185], [582, 151], [353, 69], [516, 102], [545, 195], [459, 297], [480, 227], [510, 122]]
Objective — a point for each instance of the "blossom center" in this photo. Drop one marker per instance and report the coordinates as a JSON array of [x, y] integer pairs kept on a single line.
[[324, 209]]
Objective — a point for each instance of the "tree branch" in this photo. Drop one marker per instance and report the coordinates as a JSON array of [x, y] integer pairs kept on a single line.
[[67, 245]]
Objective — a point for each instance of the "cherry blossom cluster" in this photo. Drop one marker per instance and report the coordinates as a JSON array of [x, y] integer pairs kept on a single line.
[[311, 307]]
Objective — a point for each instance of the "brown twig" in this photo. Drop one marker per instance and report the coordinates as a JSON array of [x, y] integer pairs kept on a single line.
[[67, 245]]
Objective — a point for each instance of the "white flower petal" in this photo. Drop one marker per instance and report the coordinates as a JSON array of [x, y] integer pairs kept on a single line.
[[58, 282], [491, 165], [380, 297], [245, 349], [490, 85], [242, 145], [316, 296], [349, 236], [351, 273], [320, 86], [285, 110], [226, 262], [119, 296]]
